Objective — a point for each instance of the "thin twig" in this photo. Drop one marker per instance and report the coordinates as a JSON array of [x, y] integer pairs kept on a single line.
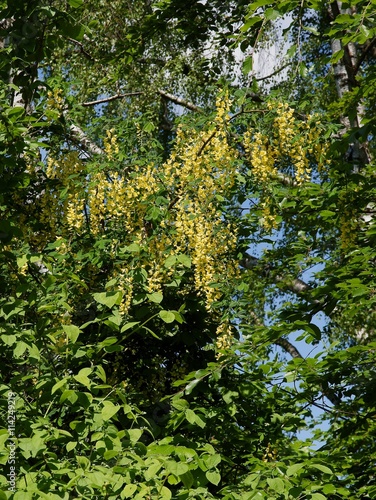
[[111, 98], [366, 50], [76, 42], [163, 93], [274, 72]]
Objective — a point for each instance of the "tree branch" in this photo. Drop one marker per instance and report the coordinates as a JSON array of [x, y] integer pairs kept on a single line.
[[78, 134], [82, 50], [274, 72], [180, 102], [288, 347], [163, 93], [111, 98], [295, 285], [365, 51]]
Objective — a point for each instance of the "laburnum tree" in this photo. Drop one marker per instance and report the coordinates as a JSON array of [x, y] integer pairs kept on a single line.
[[172, 224]]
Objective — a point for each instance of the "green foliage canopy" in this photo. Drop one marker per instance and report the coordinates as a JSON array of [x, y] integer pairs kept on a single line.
[[150, 354]]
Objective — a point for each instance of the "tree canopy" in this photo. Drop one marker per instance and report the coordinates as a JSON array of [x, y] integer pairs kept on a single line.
[[187, 294]]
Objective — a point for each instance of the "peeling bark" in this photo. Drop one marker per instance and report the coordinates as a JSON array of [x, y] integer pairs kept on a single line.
[[88, 144], [345, 71], [288, 347]]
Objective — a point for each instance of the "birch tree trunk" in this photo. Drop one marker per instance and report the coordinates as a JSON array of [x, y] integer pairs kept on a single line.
[[345, 74]]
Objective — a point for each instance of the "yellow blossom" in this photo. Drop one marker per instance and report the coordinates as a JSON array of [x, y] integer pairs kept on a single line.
[[55, 99], [111, 146]]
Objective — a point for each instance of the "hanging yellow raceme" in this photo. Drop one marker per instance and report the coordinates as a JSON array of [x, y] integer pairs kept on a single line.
[[291, 142], [198, 175]]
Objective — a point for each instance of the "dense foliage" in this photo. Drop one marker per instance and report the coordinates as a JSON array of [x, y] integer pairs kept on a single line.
[[174, 230]]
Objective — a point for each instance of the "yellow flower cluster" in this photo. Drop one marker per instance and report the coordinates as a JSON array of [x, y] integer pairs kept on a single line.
[[55, 99], [224, 337], [291, 143], [54, 209], [125, 283], [298, 140], [268, 221], [261, 155], [198, 175], [348, 223], [111, 145], [205, 166], [270, 454]]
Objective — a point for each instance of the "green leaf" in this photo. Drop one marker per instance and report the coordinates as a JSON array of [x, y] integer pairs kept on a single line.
[[193, 418], [133, 247], [293, 469], [155, 297], [82, 377], [164, 493], [153, 470], [167, 316], [180, 404], [343, 19], [109, 410], [313, 330], [272, 14], [69, 395], [101, 373], [71, 445], [325, 214], [161, 449], [259, 3], [9, 339], [366, 33], [276, 484], [318, 496], [128, 491], [32, 446], [303, 70], [108, 299], [185, 260], [14, 113], [252, 480], [291, 51], [322, 468], [149, 127], [60, 383], [134, 435], [311, 30], [337, 56], [72, 332], [247, 65], [211, 461], [20, 349], [170, 261], [213, 477], [128, 326], [192, 384], [83, 462], [151, 332], [329, 489], [176, 468], [76, 31], [75, 3], [187, 479]]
